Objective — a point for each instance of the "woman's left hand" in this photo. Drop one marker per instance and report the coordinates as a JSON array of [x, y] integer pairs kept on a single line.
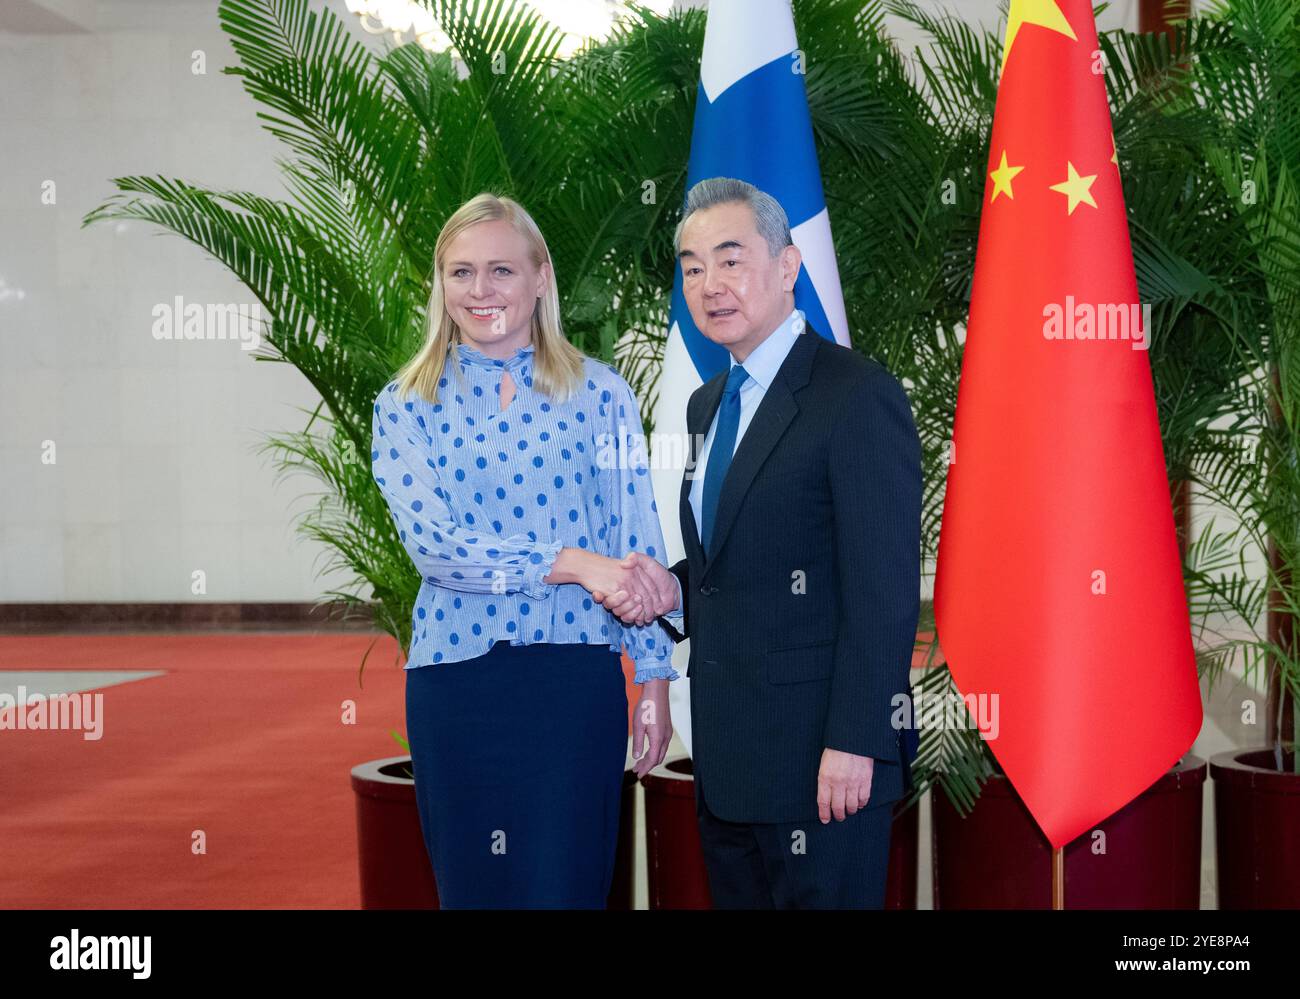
[[652, 723]]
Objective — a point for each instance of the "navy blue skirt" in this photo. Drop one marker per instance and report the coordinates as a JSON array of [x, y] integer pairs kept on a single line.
[[518, 761]]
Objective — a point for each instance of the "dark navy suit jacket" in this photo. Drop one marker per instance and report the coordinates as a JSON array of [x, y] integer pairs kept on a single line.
[[802, 617]]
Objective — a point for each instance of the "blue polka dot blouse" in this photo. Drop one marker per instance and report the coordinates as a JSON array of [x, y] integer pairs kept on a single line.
[[485, 498]]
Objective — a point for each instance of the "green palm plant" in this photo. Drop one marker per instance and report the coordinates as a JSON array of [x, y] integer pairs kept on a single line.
[[1250, 78]]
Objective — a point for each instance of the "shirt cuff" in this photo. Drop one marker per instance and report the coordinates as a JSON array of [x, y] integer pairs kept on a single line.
[[654, 669], [680, 611], [539, 566]]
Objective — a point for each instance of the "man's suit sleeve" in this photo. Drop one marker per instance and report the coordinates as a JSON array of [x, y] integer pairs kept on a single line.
[[679, 625], [875, 482], [682, 571]]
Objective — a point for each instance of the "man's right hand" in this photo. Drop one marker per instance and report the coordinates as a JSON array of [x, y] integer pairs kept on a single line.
[[655, 578]]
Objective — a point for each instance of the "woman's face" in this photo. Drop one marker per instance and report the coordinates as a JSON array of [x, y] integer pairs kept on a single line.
[[491, 287]]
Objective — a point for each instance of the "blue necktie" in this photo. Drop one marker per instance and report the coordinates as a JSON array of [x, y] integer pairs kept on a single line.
[[724, 443]]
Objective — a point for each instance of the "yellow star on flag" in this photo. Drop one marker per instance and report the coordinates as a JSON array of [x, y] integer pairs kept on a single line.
[[1002, 178], [1114, 150], [1076, 188], [1043, 13]]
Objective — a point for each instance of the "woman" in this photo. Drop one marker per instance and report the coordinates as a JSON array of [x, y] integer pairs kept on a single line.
[[510, 464]]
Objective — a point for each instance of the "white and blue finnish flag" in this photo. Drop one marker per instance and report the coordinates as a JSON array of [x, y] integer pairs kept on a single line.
[[751, 123]]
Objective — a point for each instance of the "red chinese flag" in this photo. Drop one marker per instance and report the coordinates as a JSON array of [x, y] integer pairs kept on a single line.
[[1059, 587]]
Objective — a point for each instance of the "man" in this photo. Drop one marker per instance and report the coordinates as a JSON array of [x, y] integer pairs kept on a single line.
[[801, 584]]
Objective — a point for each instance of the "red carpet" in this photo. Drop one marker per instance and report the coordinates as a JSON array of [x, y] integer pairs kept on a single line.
[[243, 739]]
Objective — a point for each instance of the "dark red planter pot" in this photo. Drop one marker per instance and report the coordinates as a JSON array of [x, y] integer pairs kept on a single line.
[[1257, 829], [675, 864], [395, 868], [677, 876], [997, 858]]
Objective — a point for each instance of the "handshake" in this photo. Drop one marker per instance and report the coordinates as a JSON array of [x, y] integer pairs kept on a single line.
[[636, 589]]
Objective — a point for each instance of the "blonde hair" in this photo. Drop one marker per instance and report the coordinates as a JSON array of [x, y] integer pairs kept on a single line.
[[557, 364]]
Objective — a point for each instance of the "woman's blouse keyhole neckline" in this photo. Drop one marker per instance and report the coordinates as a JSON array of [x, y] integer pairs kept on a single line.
[[518, 366]]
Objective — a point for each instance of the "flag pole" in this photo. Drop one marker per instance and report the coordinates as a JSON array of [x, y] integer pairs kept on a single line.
[[1058, 878]]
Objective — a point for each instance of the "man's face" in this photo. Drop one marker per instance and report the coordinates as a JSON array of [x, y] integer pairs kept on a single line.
[[737, 292]]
